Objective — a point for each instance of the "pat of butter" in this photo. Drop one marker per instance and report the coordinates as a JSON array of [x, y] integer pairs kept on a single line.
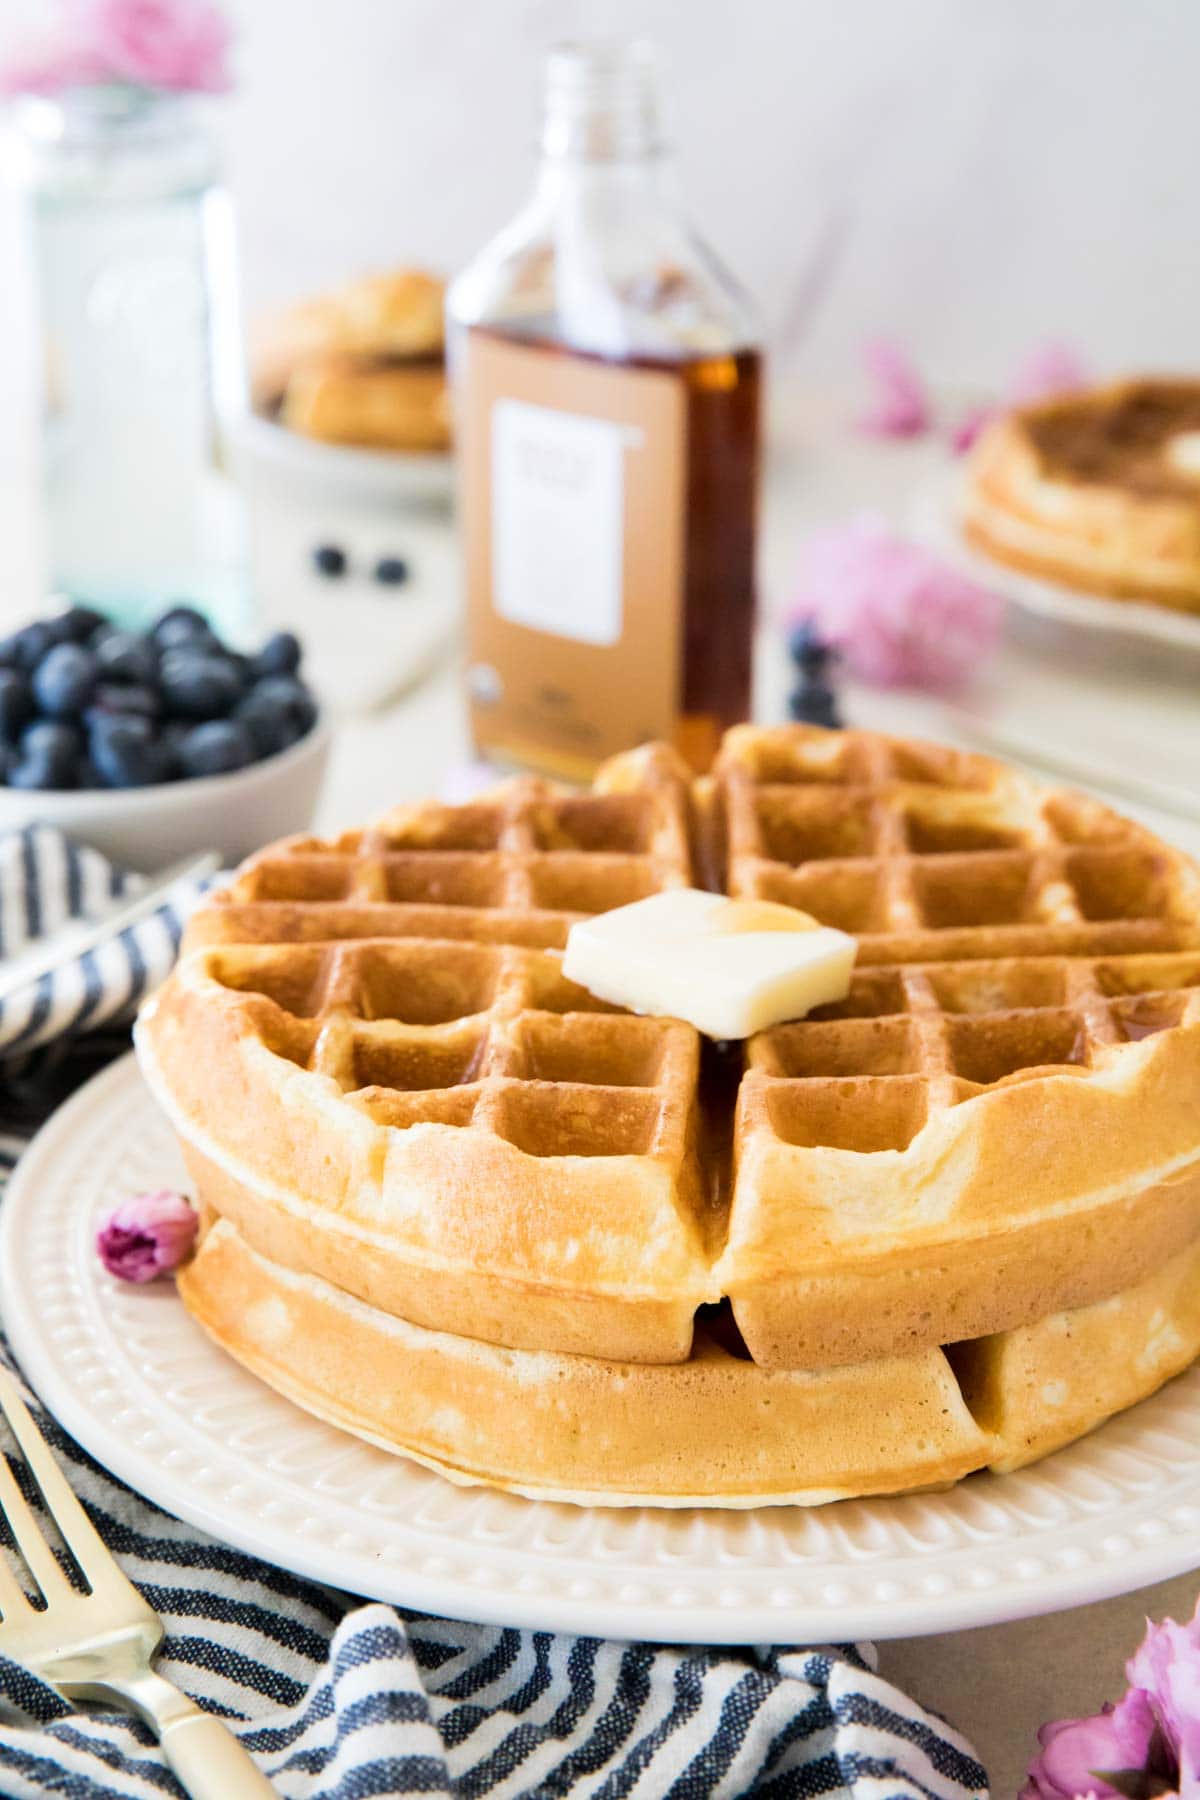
[[1183, 453], [729, 967]]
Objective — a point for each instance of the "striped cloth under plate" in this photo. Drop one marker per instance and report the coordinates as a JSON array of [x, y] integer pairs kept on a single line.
[[339, 1700]]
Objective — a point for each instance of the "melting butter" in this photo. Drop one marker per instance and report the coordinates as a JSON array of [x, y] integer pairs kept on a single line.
[[729, 967]]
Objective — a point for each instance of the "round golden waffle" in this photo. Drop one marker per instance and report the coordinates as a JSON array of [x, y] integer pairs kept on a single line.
[[402, 1111], [1099, 490]]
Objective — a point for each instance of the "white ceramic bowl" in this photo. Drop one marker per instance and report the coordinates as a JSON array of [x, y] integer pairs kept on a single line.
[[149, 827]]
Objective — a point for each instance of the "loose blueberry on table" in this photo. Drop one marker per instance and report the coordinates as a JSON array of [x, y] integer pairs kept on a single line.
[[84, 704], [330, 560], [391, 571]]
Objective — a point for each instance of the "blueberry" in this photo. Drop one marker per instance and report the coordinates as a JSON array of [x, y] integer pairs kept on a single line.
[[170, 742], [39, 775], [51, 737], [807, 650], [125, 751], [48, 757], [392, 571], [199, 686], [277, 711], [296, 695], [280, 655], [59, 628], [268, 720], [127, 697], [122, 656], [183, 627], [80, 623], [329, 559], [64, 679], [217, 748], [16, 703], [26, 648]]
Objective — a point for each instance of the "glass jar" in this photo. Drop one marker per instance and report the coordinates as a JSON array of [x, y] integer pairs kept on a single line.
[[606, 383], [136, 288]]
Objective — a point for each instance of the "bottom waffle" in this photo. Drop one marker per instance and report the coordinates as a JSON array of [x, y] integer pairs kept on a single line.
[[716, 1430]]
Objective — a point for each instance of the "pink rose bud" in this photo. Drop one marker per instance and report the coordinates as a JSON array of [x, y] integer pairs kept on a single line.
[[147, 1235]]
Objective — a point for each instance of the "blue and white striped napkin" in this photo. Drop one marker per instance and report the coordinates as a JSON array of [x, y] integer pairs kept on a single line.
[[338, 1700]]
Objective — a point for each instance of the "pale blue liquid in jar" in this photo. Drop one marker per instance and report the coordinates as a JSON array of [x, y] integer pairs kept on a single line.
[[135, 283]]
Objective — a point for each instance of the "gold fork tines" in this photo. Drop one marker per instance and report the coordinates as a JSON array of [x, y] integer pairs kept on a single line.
[[98, 1643]]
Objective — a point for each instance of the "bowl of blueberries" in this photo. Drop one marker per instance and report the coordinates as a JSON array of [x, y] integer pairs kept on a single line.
[[151, 744]]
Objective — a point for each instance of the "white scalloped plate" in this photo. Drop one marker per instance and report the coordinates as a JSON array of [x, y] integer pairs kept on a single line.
[[130, 1375]]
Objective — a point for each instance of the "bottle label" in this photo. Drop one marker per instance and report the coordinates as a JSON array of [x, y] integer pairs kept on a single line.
[[573, 499], [558, 516]]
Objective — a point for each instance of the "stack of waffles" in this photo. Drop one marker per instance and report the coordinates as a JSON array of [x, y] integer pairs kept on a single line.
[[1099, 490], [460, 1206]]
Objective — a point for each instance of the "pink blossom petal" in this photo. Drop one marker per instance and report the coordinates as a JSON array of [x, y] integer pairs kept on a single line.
[[1167, 1665], [969, 428], [1049, 369], [1077, 1753], [900, 407], [900, 616], [147, 1235], [175, 45], [50, 70]]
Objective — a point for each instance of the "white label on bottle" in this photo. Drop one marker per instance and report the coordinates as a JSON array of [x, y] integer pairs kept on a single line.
[[558, 503]]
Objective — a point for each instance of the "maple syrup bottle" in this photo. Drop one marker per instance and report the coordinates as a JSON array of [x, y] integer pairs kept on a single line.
[[606, 379]]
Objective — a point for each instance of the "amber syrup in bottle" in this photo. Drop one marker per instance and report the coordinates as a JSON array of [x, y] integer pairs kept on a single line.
[[607, 409]]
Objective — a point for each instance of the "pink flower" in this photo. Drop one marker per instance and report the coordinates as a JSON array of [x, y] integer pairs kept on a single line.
[[899, 615], [178, 45], [1167, 1665], [901, 406], [182, 45], [147, 1235], [1077, 1754]]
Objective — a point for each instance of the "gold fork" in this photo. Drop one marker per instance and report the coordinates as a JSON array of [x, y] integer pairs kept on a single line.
[[100, 1645]]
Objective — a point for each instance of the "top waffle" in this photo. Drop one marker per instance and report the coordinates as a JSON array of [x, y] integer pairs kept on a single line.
[[923, 853], [380, 1074], [514, 868]]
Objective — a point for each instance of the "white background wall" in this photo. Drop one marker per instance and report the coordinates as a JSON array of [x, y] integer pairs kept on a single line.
[[974, 174]]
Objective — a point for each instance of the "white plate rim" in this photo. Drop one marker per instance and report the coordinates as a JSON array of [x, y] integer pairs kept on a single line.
[[936, 510], [1018, 1582], [417, 476]]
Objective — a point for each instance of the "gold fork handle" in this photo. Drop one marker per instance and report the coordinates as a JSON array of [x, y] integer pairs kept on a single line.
[[203, 1752], [209, 1761]]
